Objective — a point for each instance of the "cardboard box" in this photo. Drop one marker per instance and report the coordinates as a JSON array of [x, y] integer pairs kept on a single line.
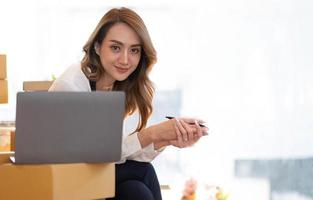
[[3, 69], [12, 141], [36, 85], [56, 181], [5, 136], [3, 91]]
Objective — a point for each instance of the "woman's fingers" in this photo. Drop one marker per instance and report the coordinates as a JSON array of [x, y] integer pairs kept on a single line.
[[179, 135], [204, 130], [199, 130], [190, 131], [192, 120], [186, 133], [179, 142], [182, 130], [183, 144]]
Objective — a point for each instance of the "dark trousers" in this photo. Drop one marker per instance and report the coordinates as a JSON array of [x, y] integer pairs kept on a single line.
[[136, 181]]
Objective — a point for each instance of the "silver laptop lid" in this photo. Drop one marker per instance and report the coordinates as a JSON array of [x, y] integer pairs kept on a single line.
[[69, 127]]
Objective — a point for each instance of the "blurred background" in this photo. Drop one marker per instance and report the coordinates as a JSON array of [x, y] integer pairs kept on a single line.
[[244, 66]]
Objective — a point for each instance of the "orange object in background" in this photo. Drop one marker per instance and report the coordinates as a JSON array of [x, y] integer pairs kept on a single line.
[[3, 81], [3, 91], [5, 144], [5, 138], [7, 132], [3, 67], [12, 141]]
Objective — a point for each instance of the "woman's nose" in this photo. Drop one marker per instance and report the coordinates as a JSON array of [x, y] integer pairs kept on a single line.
[[124, 58]]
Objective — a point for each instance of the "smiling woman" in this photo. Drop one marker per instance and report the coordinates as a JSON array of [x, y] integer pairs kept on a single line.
[[114, 49], [119, 56]]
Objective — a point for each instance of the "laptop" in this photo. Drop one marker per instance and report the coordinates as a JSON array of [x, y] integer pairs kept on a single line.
[[68, 127]]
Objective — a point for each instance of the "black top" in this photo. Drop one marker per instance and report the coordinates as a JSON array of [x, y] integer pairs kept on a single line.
[[92, 85]]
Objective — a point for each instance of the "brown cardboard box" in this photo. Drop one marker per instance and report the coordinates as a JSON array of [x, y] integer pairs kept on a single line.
[[12, 141], [5, 136], [3, 91], [3, 70], [36, 85], [56, 181]]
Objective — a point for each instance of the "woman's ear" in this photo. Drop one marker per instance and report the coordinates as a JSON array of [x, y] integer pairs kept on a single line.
[[97, 47]]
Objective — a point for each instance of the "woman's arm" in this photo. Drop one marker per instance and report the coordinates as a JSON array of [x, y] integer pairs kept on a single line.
[[159, 134], [145, 145]]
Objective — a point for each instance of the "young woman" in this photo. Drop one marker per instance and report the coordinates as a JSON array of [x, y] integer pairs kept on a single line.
[[118, 57]]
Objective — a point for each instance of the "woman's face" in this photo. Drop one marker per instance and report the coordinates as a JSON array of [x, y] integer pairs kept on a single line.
[[119, 53]]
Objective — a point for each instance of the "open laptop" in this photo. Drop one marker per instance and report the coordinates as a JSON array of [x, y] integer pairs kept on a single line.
[[69, 127]]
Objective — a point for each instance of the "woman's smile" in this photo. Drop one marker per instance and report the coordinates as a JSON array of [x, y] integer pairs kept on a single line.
[[121, 70]]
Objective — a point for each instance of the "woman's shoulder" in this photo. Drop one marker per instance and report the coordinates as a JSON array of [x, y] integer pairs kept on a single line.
[[73, 69], [72, 79]]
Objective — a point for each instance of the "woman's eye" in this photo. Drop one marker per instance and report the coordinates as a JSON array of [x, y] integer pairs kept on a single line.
[[135, 50], [115, 48]]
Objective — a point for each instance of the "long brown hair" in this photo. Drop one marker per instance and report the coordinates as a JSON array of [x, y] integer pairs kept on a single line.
[[138, 87]]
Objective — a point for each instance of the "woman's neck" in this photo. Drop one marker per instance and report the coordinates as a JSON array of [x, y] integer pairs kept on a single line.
[[105, 85]]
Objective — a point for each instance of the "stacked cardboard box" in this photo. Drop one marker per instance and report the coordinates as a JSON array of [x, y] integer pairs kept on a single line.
[[36, 85], [3, 81], [55, 181]]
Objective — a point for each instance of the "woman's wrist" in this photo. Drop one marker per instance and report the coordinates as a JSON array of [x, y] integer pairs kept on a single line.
[[146, 136], [159, 146]]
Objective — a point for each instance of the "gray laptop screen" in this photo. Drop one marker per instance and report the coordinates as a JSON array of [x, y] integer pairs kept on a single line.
[[69, 127]]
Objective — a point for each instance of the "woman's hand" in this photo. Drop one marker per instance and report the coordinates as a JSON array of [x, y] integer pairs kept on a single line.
[[186, 135], [180, 132], [188, 132]]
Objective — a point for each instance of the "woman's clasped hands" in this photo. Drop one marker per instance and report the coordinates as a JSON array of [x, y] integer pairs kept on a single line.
[[178, 132], [188, 132]]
